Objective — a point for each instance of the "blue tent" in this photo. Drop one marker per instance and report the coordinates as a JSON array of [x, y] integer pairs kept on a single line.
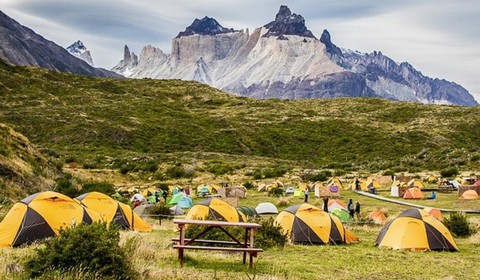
[[185, 202]]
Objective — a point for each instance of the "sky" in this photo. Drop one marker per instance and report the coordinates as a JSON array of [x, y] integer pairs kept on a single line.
[[440, 38]]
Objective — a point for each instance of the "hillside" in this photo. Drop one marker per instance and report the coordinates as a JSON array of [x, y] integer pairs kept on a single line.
[[23, 169], [102, 122]]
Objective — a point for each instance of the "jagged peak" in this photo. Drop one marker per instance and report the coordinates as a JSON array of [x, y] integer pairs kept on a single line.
[[286, 23], [205, 26], [77, 47], [326, 39]]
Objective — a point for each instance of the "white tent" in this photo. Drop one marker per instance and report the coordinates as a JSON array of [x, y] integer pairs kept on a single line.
[[176, 210], [138, 197], [395, 191], [290, 190], [266, 208]]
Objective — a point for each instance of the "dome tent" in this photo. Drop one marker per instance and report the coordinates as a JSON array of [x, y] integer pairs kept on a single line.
[[266, 208], [310, 225], [215, 209], [113, 211], [416, 229], [41, 215]]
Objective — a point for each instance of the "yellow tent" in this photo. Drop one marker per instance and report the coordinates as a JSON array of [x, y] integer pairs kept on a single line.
[[41, 215], [215, 209], [335, 181], [113, 211], [415, 183]]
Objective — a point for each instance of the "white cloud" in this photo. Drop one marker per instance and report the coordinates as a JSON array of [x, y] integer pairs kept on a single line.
[[440, 38]]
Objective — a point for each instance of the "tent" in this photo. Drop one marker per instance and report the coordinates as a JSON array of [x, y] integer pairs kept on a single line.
[[113, 211], [336, 204], [138, 197], [369, 183], [290, 190], [176, 210], [249, 212], [434, 212], [266, 208], [334, 181], [303, 187], [309, 224], [41, 215], [470, 194], [341, 214], [146, 192], [215, 209], [144, 209], [413, 193], [415, 229], [431, 179], [395, 191], [415, 184], [298, 193], [183, 200], [378, 217]]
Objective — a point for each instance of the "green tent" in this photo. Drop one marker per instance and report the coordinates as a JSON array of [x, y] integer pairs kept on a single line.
[[298, 193], [249, 212], [341, 214]]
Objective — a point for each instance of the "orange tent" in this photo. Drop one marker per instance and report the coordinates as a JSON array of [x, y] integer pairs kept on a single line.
[[434, 212], [413, 193], [477, 183], [470, 194], [378, 217]]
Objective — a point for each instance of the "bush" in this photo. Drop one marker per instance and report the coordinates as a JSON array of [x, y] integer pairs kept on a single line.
[[458, 224], [449, 172], [103, 187], [270, 234], [317, 176], [65, 186], [163, 210], [88, 248], [249, 185]]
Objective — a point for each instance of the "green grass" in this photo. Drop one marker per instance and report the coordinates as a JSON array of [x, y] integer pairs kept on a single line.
[[122, 119]]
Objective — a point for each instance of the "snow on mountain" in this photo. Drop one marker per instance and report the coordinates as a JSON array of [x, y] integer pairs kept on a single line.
[[283, 59], [79, 50]]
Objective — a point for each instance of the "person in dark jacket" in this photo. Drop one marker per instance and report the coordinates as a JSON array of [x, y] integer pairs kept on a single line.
[[351, 209], [325, 204], [357, 210]]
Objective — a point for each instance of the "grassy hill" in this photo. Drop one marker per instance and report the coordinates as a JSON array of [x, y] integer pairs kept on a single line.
[[109, 123], [23, 169]]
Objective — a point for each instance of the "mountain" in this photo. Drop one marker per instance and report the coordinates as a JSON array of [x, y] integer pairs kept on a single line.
[[283, 59], [20, 45], [79, 50]]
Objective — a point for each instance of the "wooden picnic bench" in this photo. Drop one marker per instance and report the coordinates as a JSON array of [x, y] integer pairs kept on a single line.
[[234, 245]]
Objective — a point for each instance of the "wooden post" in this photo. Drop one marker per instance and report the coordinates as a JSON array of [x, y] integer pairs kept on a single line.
[[252, 235], [182, 242]]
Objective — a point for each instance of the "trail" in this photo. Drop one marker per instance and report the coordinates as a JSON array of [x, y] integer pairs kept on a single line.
[[412, 204]]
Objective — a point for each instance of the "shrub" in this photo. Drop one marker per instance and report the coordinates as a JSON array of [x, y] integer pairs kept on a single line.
[[88, 248], [103, 187], [270, 234], [163, 210], [248, 185], [458, 224], [317, 176], [449, 172], [65, 186], [275, 192]]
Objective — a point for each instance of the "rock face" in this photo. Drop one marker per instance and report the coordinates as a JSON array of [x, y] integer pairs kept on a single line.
[[283, 59], [79, 50], [20, 45]]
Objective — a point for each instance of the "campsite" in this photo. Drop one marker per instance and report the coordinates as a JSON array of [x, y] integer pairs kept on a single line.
[[154, 257]]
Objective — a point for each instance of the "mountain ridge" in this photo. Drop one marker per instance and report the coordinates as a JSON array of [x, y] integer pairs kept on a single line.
[[283, 59]]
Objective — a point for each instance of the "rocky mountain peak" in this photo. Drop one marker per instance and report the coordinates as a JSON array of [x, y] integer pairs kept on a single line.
[[331, 47], [286, 23], [205, 26], [79, 50]]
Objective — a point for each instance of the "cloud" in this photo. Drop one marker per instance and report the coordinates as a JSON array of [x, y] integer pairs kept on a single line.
[[441, 38]]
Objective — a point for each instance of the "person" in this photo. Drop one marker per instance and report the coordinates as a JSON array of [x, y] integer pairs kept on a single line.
[[357, 184], [164, 195], [306, 195], [136, 203], [357, 210], [325, 204], [432, 196], [351, 209]]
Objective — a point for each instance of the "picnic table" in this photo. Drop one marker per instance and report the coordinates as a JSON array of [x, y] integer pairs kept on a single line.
[[233, 245]]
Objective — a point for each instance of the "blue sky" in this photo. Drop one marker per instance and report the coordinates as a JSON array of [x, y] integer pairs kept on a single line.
[[440, 38]]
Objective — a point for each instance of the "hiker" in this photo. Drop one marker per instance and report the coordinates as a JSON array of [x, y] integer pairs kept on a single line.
[[325, 204], [306, 195], [357, 184], [351, 209], [357, 210], [432, 196], [165, 194], [373, 190]]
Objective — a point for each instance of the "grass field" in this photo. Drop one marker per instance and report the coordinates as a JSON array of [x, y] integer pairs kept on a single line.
[[155, 259]]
